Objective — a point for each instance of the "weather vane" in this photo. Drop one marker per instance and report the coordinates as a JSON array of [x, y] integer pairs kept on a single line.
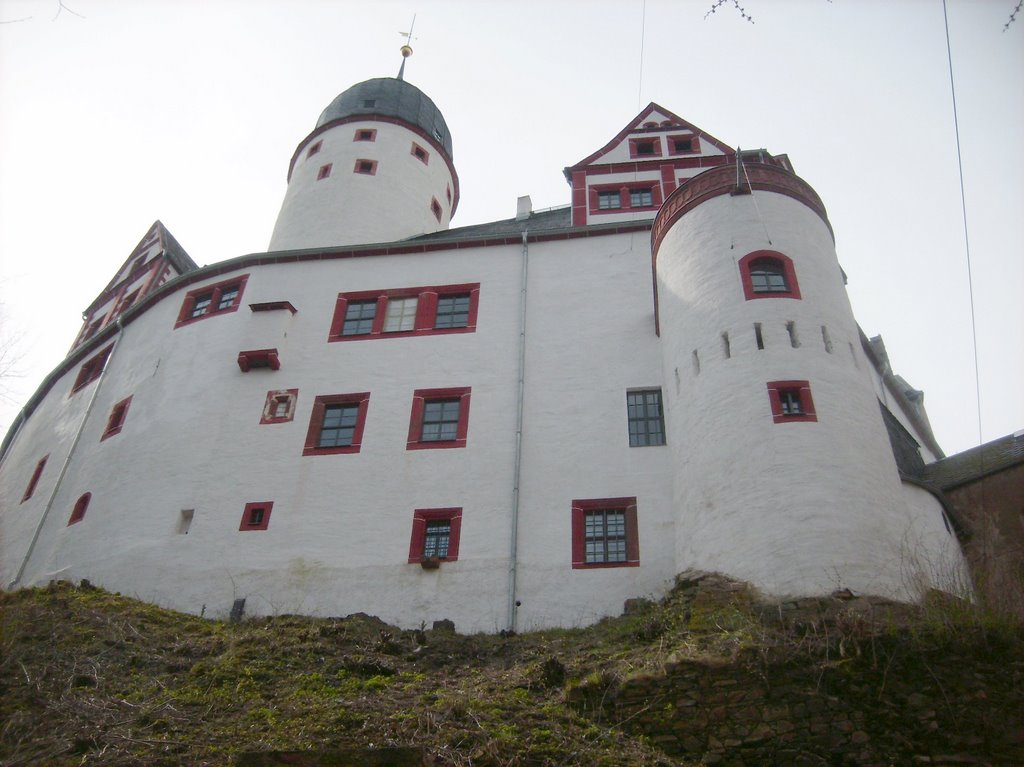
[[407, 48]]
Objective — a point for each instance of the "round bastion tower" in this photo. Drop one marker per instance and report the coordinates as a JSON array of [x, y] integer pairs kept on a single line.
[[784, 475], [377, 168]]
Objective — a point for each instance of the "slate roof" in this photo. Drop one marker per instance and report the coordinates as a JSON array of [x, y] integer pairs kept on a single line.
[[978, 462], [541, 221]]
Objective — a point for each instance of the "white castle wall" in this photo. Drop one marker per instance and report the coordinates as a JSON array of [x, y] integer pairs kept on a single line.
[[349, 208]]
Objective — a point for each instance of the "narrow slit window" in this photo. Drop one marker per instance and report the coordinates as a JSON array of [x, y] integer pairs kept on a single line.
[[81, 505], [758, 336], [185, 520], [793, 340], [826, 339], [36, 474], [726, 348], [696, 363]]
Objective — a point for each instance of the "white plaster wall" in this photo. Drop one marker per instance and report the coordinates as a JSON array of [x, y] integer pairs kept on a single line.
[[796, 508], [349, 208], [928, 553]]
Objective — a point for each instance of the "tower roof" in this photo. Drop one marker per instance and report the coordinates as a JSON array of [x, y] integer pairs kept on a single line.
[[390, 97]]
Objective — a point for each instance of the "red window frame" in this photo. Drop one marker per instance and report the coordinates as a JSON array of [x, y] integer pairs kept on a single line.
[[215, 290], [115, 421], [654, 186], [81, 506], [426, 310], [259, 358], [693, 138], [365, 167], [314, 149], [788, 269], [435, 208], [275, 396], [420, 153], [580, 507], [91, 369], [777, 389], [635, 143], [316, 420], [420, 518], [249, 515], [34, 480], [420, 397], [365, 134], [324, 172]]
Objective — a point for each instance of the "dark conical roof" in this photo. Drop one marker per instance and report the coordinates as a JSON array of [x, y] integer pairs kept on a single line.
[[392, 98]]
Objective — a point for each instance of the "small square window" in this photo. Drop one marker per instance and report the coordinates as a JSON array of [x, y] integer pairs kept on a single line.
[[452, 311], [116, 419], [644, 148], [420, 153], [440, 418], [81, 505], [435, 208], [314, 148], [365, 134], [608, 200], [791, 401], [36, 474], [91, 370], [366, 167], [435, 535], [646, 418], [256, 516], [604, 533], [369, 103], [211, 300], [324, 172], [684, 144], [336, 425], [401, 314], [641, 198], [279, 406], [359, 317]]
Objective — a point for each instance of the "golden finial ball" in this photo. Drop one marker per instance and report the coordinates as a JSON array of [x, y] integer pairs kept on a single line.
[[406, 51]]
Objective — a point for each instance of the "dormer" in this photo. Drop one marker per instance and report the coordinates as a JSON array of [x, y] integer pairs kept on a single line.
[[629, 177], [157, 258]]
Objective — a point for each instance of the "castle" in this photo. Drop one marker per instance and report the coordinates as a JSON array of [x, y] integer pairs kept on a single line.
[[516, 424]]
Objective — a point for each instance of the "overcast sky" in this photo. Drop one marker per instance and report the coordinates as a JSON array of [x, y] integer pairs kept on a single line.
[[188, 112]]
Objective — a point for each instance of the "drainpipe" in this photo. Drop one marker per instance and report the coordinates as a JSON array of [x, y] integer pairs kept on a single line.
[[67, 460], [513, 602]]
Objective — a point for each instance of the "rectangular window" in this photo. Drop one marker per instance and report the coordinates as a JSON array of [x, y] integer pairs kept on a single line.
[[256, 516], [435, 534], [452, 311], [684, 144], [211, 300], [324, 172], [420, 153], [314, 148], [366, 167], [604, 533], [336, 424], [365, 134], [608, 201], [36, 474], [644, 148], [435, 208], [405, 312], [439, 419], [116, 419], [91, 370], [279, 406], [401, 315], [791, 401], [646, 418], [641, 198], [81, 505]]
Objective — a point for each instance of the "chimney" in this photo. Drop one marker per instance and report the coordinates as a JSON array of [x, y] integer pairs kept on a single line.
[[524, 207]]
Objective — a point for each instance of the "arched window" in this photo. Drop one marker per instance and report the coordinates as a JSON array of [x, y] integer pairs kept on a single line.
[[79, 511], [768, 274]]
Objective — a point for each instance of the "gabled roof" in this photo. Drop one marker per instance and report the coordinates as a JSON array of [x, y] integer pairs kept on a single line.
[[636, 125]]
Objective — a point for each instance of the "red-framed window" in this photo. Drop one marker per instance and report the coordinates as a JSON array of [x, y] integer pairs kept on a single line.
[[683, 144], [622, 198], [435, 533], [116, 419], [314, 149], [336, 424], [439, 418], [435, 208], [365, 134], [324, 172], [211, 300], [256, 515], [448, 193], [366, 167], [280, 406], [420, 153], [768, 274], [645, 148], [791, 401], [259, 358], [91, 369], [402, 312], [34, 480], [604, 533], [78, 512]]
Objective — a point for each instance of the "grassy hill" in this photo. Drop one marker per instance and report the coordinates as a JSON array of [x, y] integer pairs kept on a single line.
[[92, 678]]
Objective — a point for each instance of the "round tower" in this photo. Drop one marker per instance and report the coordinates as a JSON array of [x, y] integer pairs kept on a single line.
[[377, 168], [784, 475]]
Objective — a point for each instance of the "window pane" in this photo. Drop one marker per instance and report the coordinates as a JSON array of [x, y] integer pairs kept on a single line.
[[401, 314], [227, 298], [440, 421], [608, 200], [338, 425], [201, 305], [646, 422], [435, 541], [641, 198], [452, 312], [768, 275], [359, 316]]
